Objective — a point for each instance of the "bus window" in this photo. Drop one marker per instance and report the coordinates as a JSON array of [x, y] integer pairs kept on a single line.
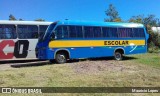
[[105, 31], [129, 31], [42, 29], [62, 32], [34, 31], [79, 31], [125, 32], [8, 32], [27, 31], [88, 32], [138, 32], [113, 32], [1, 32], [75, 31], [58, 32], [72, 32], [97, 31], [65, 32]]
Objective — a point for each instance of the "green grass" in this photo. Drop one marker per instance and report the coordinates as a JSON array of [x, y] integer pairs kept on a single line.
[[150, 59], [137, 71]]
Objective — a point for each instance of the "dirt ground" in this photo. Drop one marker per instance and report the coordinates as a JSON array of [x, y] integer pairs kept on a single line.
[[89, 66], [94, 66], [5, 67]]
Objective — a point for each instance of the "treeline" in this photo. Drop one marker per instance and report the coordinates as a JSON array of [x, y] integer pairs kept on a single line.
[[149, 21], [11, 17]]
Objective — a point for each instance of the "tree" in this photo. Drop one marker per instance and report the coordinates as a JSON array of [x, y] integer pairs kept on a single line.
[[11, 17], [40, 19], [158, 22], [113, 15], [136, 19], [148, 20], [117, 20], [21, 19]]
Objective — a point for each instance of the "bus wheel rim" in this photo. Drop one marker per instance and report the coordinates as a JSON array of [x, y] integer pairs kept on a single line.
[[61, 58], [118, 56]]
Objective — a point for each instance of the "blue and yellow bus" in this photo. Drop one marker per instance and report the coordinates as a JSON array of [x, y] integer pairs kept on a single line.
[[67, 39]]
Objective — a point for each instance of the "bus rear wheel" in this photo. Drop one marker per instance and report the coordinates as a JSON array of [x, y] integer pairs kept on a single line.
[[61, 58], [118, 56]]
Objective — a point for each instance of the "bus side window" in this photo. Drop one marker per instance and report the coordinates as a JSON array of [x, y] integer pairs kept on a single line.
[[141, 32], [129, 32], [21, 30], [105, 31], [75, 31], [79, 31], [125, 32], [97, 31], [8, 32], [65, 32], [58, 32], [33, 31], [72, 32], [27, 31], [88, 32], [1, 32], [138, 32], [113, 32]]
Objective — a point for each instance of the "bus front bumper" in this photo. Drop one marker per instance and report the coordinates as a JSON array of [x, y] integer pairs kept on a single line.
[[45, 53]]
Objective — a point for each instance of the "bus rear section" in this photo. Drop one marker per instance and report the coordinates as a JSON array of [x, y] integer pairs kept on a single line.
[[73, 40], [18, 39]]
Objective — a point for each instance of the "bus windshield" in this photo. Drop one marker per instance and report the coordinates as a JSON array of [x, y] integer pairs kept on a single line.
[[48, 31]]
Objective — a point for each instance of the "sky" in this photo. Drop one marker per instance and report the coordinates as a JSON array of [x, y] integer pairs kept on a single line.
[[88, 10]]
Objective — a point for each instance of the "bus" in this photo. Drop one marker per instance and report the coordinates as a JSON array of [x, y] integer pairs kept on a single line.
[[18, 39], [67, 39]]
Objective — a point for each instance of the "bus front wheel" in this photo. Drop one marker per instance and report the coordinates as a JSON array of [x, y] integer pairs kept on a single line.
[[61, 58], [118, 56]]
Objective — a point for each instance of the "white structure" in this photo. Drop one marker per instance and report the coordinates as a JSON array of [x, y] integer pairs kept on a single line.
[[156, 29]]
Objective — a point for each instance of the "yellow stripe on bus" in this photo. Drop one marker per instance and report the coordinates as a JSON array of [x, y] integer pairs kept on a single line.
[[94, 43]]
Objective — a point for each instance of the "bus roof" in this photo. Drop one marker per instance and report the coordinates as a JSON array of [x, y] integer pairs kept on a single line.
[[109, 24], [24, 22]]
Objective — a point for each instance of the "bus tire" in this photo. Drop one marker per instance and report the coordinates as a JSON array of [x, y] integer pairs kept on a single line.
[[61, 58], [118, 55]]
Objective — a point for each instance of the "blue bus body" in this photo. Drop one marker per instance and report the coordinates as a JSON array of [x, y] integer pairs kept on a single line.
[[92, 39]]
